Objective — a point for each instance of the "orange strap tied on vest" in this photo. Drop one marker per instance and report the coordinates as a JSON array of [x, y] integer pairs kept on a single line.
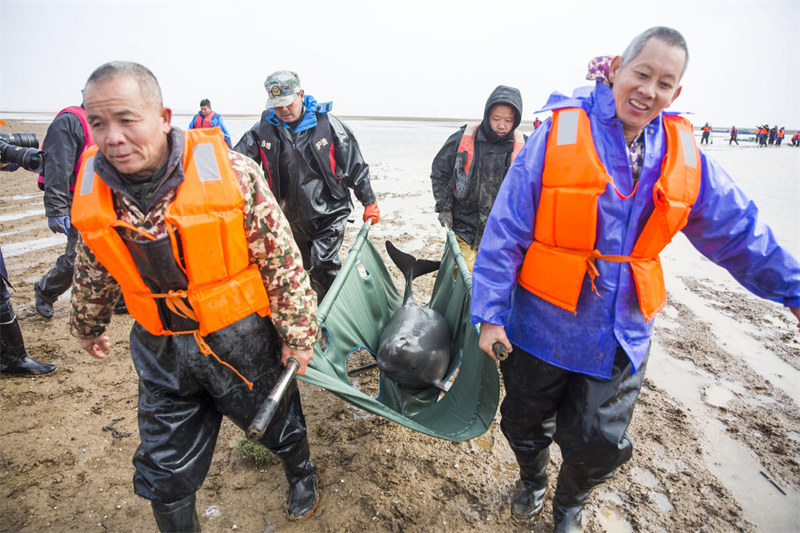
[[564, 250], [207, 218]]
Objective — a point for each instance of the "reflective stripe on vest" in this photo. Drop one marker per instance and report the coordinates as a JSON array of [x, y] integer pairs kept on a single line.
[[79, 112], [467, 145], [223, 286], [563, 250]]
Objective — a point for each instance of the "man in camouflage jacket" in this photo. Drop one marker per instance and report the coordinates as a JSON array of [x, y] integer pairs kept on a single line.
[[182, 392]]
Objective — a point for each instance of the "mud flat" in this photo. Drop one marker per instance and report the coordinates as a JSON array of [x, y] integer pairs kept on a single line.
[[716, 430]]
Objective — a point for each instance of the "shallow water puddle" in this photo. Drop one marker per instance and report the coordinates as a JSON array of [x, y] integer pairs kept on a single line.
[[18, 197], [21, 229], [662, 500], [21, 214], [738, 338], [717, 396], [737, 467], [24, 247], [613, 522]]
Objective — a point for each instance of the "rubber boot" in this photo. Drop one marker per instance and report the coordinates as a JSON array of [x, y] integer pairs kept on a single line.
[[121, 308], [44, 306], [529, 500], [14, 360], [301, 473], [575, 484], [176, 517]]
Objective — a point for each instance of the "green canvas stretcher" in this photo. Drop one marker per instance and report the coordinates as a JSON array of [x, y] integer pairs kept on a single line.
[[353, 314]]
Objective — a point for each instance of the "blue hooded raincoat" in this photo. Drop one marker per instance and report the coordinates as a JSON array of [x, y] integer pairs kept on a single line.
[[723, 226]]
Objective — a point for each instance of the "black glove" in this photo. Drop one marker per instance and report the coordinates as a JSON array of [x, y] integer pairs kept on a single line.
[[446, 217]]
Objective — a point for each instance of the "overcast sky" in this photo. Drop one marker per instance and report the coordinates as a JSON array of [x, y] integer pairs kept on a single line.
[[424, 59]]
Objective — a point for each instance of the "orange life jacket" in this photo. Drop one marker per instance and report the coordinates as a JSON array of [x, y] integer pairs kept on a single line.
[[467, 144], [223, 286], [563, 250], [706, 129], [204, 121]]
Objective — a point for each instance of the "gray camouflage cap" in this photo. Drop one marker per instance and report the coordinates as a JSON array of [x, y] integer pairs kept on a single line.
[[282, 86]]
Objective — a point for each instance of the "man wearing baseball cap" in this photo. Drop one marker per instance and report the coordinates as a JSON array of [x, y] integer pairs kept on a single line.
[[311, 160]]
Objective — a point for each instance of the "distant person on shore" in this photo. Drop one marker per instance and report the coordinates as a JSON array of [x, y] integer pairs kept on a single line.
[[311, 160], [764, 133], [235, 308], [14, 359], [706, 134], [468, 170], [779, 136], [796, 139], [772, 133], [734, 136], [536, 122], [568, 274], [208, 118], [67, 137]]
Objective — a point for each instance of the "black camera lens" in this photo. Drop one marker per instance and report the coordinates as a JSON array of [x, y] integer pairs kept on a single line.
[[28, 158], [26, 140]]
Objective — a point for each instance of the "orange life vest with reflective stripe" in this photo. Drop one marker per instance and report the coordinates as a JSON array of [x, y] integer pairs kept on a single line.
[[467, 144], [563, 250], [706, 129], [207, 213]]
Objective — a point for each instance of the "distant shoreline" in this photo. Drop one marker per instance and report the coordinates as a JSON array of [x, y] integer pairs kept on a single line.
[[48, 116], [42, 116]]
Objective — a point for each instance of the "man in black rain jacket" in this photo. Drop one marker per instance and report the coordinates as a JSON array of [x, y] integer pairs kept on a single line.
[[65, 141], [311, 160], [468, 170]]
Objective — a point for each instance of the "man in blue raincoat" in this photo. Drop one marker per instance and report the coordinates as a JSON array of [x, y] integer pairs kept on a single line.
[[208, 118], [568, 271]]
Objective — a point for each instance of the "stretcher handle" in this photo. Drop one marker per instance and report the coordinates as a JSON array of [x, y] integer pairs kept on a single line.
[[499, 351], [270, 406]]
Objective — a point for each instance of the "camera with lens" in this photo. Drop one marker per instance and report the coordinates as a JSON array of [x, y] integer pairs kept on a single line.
[[22, 149]]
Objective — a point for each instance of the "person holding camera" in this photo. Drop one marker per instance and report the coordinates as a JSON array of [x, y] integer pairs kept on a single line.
[[14, 359], [67, 137]]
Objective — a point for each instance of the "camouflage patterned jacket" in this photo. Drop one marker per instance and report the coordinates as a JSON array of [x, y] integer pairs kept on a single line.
[[270, 244]]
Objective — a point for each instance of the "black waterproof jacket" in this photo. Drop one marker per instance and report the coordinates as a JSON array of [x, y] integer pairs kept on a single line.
[[62, 146], [490, 162], [310, 192]]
